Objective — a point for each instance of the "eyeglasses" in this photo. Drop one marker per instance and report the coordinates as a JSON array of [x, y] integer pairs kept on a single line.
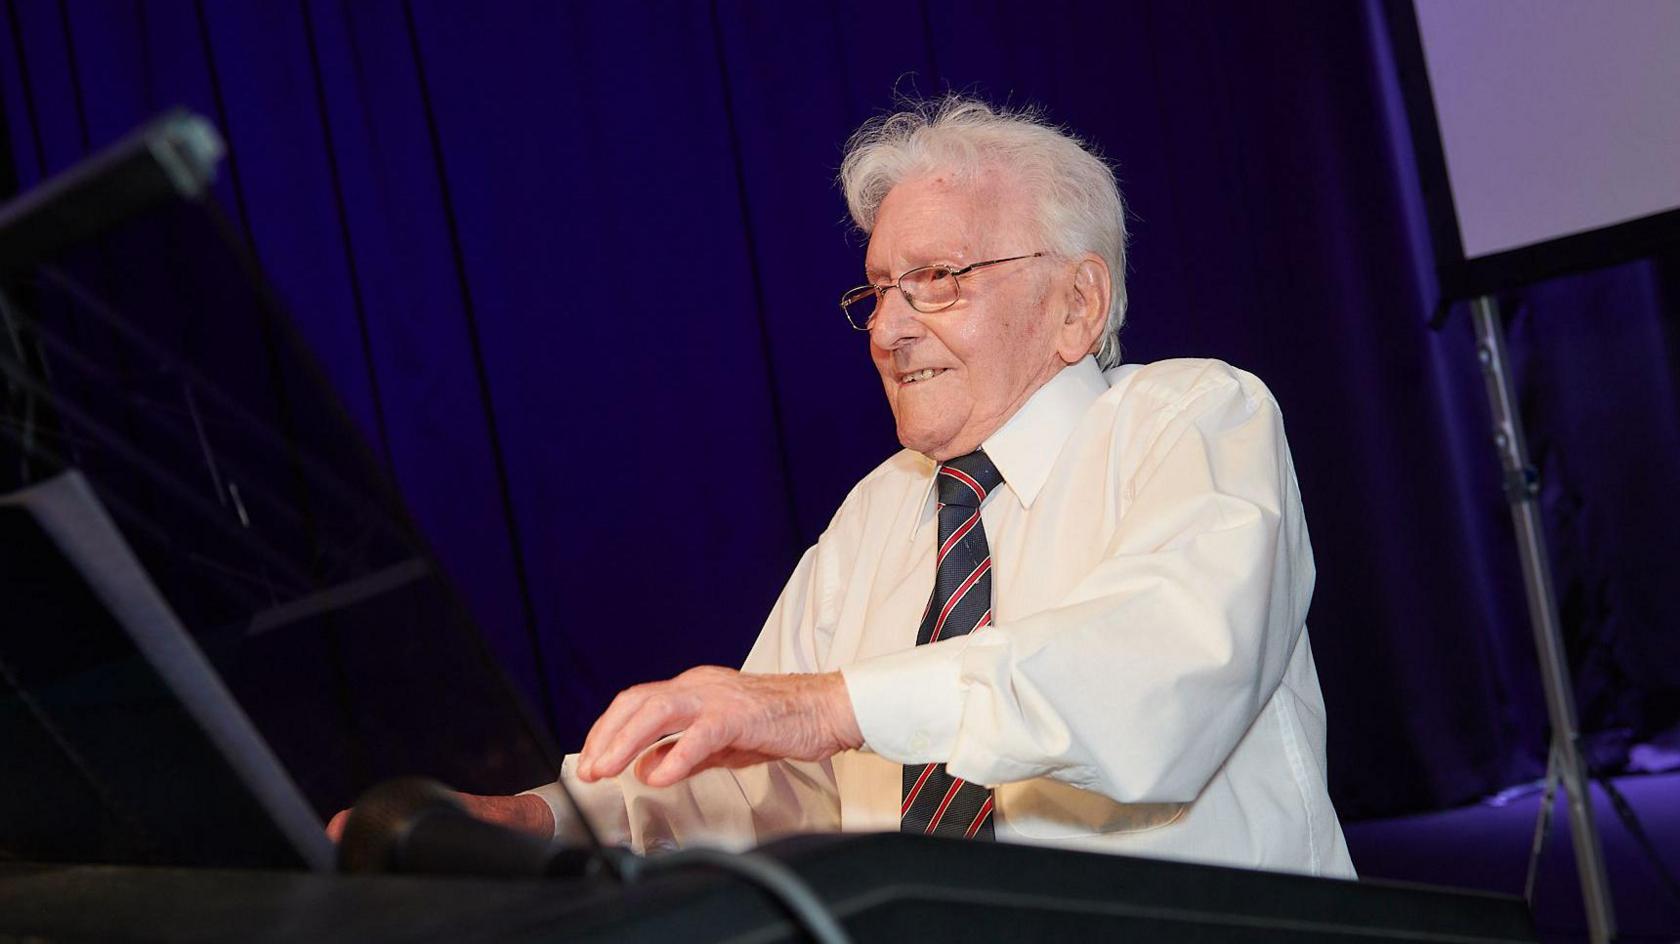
[[927, 288]]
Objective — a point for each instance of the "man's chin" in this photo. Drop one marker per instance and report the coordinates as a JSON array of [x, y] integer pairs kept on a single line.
[[936, 445]]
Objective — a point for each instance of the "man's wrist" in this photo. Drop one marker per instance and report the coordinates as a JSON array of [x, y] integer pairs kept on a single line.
[[840, 718]]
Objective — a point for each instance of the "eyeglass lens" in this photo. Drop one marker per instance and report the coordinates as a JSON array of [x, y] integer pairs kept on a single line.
[[929, 288]]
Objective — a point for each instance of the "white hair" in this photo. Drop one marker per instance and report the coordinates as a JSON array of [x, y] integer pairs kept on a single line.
[[1078, 202]]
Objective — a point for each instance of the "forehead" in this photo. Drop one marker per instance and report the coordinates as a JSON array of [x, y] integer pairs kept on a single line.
[[942, 218]]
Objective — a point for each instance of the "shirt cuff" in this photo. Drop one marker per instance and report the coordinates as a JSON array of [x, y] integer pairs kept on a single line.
[[602, 803], [910, 703], [557, 806]]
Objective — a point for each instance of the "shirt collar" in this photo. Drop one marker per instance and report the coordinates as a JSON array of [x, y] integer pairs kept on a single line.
[[1026, 446]]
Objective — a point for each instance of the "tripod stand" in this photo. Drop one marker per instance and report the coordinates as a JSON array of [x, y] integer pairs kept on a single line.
[[1522, 490]]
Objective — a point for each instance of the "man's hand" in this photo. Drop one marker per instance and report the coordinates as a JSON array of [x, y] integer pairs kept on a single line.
[[524, 812], [726, 719]]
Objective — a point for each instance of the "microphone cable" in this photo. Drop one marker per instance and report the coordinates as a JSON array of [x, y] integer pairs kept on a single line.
[[791, 892]]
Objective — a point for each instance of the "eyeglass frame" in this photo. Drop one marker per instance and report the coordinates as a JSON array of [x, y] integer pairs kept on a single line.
[[853, 296]]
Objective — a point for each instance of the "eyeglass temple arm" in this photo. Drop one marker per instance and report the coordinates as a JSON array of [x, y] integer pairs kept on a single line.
[[992, 262], [881, 290]]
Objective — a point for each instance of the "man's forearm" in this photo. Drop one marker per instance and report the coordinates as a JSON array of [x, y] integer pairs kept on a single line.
[[525, 812]]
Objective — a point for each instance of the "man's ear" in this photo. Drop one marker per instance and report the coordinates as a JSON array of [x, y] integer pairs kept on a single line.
[[1086, 312]]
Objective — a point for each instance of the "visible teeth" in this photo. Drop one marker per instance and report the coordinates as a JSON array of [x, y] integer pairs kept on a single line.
[[922, 374]]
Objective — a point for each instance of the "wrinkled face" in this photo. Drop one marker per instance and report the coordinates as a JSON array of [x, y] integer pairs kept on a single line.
[[991, 350]]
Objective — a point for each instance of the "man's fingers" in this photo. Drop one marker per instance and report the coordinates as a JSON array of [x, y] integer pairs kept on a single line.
[[335, 826], [659, 715], [651, 759], [726, 720], [727, 757], [683, 755], [606, 727]]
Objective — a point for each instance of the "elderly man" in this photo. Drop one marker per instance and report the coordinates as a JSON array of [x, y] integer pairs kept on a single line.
[[1070, 611]]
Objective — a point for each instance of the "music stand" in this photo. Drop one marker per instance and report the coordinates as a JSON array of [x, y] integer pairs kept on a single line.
[[123, 744]]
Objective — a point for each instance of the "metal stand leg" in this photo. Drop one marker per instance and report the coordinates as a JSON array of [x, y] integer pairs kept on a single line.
[[1542, 825], [1522, 491]]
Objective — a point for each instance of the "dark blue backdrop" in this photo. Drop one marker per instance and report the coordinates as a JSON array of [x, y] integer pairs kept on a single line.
[[573, 269]]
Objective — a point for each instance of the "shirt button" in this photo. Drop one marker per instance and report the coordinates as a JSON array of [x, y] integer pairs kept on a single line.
[[919, 742]]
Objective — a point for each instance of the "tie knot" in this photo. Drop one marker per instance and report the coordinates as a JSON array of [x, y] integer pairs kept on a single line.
[[967, 480]]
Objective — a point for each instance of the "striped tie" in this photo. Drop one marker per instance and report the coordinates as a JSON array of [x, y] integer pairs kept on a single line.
[[935, 803]]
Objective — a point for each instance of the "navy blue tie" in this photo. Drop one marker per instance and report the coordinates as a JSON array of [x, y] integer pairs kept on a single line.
[[935, 803]]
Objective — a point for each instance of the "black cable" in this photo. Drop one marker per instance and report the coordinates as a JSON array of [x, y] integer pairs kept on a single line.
[[789, 890]]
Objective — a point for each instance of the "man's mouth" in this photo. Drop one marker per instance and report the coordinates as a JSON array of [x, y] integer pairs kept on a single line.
[[917, 376]]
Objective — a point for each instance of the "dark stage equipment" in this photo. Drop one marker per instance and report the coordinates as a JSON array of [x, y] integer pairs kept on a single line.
[[1469, 75], [122, 744], [144, 357], [1521, 187], [417, 826], [174, 156], [885, 887]]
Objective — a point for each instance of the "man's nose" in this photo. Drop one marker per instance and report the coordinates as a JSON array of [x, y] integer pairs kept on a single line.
[[895, 322]]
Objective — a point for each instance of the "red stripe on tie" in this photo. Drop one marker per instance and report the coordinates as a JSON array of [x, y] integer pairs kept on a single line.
[[956, 597], [956, 536], [985, 619], [979, 818], [949, 796], [926, 770], [962, 477]]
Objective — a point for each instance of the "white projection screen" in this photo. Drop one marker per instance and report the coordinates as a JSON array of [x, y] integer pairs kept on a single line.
[[1547, 132]]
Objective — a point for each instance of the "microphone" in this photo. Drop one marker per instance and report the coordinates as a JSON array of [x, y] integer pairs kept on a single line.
[[413, 825]]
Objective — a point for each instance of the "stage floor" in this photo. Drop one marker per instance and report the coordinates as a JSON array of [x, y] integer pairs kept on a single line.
[[1486, 847]]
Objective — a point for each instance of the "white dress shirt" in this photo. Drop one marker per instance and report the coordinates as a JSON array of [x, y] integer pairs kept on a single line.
[[1146, 686]]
